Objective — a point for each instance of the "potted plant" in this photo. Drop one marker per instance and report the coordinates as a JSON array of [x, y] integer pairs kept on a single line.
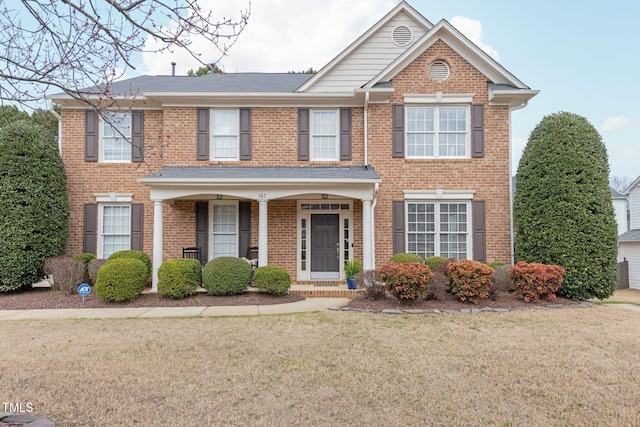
[[351, 268]]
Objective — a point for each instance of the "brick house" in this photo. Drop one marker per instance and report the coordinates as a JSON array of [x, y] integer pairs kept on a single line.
[[400, 144]]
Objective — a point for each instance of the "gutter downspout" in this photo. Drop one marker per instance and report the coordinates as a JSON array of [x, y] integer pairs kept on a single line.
[[373, 227], [366, 129], [511, 221], [58, 117]]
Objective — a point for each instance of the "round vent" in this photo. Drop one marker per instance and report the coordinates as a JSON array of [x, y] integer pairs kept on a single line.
[[402, 35], [439, 71]]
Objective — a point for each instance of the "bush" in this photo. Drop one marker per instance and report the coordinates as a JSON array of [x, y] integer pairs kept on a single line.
[[470, 280], [272, 280], [434, 261], [139, 255], [121, 279], [406, 257], [534, 281], [406, 281], [34, 211], [67, 273], [93, 268], [370, 281], [226, 276], [494, 264], [179, 278], [563, 212], [86, 258]]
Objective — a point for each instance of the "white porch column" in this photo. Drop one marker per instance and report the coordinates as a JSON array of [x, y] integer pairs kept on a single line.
[[157, 243], [367, 235], [263, 232]]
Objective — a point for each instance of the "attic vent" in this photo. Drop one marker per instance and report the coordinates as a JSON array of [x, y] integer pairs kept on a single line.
[[402, 35], [439, 71]]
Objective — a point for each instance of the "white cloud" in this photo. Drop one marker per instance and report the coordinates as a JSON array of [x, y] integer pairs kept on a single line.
[[472, 29], [282, 35], [613, 124]]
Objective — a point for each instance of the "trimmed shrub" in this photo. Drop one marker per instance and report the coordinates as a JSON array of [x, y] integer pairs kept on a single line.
[[67, 273], [406, 257], [434, 261], [179, 278], [370, 281], [494, 264], [121, 279], [86, 258], [470, 280], [272, 280], [93, 268], [226, 276], [139, 255], [534, 281], [563, 212], [406, 281], [34, 210]]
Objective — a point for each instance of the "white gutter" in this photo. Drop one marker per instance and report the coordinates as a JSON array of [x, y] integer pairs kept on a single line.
[[55, 114], [366, 129]]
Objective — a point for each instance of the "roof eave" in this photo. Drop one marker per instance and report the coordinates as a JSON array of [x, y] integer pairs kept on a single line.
[[513, 98], [153, 181]]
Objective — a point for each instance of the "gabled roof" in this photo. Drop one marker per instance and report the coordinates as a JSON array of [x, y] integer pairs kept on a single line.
[[630, 236], [615, 194], [632, 186]]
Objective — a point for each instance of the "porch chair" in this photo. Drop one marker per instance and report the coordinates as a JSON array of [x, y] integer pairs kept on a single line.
[[192, 252], [252, 256]]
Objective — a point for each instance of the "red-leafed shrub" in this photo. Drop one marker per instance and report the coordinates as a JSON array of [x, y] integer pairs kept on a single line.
[[470, 280], [406, 281], [534, 281]]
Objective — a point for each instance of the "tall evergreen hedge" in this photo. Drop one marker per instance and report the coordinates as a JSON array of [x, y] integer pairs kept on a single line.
[[563, 210], [33, 204]]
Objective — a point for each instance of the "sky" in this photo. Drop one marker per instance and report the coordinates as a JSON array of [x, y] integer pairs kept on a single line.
[[583, 56]]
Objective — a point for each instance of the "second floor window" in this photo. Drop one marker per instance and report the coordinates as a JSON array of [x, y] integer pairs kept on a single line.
[[437, 131], [224, 135], [116, 137], [324, 135]]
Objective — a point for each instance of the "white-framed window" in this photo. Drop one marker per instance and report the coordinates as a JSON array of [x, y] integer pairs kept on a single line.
[[224, 229], [437, 131], [439, 228], [114, 225], [225, 132], [324, 135], [115, 129]]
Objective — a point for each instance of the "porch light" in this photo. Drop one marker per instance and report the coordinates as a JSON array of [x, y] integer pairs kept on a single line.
[[218, 196], [324, 196]]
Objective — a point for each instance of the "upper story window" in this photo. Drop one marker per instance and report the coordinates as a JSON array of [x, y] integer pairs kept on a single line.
[[116, 137], [437, 131], [324, 135], [225, 135]]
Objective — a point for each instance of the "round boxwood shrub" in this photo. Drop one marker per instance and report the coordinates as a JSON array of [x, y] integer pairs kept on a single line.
[[121, 279], [272, 280], [139, 255], [434, 261], [406, 281], [179, 278], [34, 211], [406, 257], [226, 276]]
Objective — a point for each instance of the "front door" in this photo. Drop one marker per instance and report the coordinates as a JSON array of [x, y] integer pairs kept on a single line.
[[325, 246]]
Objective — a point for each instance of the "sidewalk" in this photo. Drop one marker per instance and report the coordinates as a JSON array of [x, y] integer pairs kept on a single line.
[[308, 305]]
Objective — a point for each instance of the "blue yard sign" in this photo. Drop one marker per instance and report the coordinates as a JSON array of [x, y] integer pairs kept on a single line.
[[84, 289]]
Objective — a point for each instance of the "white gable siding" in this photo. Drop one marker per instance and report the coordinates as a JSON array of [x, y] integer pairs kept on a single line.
[[634, 207], [631, 251], [620, 209], [368, 59]]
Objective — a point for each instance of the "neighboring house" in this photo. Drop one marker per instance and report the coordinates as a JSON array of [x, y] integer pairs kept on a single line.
[[629, 242], [400, 143], [621, 210]]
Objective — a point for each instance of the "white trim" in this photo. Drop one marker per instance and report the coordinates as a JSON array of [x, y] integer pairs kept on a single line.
[[212, 135], [312, 136], [436, 131], [212, 203], [113, 197], [439, 98], [100, 235], [439, 194], [101, 136]]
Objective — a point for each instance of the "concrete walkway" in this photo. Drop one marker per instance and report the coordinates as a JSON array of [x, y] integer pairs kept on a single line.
[[308, 305]]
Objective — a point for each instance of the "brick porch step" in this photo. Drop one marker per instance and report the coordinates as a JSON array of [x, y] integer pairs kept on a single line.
[[324, 291]]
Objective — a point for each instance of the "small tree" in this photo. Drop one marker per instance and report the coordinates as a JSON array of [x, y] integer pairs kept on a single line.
[[563, 210], [33, 204]]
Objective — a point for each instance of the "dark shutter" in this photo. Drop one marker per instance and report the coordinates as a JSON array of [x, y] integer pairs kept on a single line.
[[303, 134], [137, 131], [202, 229], [479, 231], [397, 138], [137, 226], [345, 134], [398, 220], [244, 228], [90, 136], [203, 134], [477, 130], [245, 134], [90, 236]]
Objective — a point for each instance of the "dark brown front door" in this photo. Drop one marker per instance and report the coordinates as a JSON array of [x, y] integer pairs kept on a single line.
[[325, 250]]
